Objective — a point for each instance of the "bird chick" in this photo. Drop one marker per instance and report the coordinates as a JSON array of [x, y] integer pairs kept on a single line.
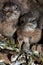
[[28, 31], [12, 13]]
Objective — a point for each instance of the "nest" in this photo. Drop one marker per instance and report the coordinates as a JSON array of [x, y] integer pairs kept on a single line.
[[21, 32]]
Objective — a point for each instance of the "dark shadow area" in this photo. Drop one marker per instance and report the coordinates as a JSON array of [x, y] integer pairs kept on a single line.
[[41, 41]]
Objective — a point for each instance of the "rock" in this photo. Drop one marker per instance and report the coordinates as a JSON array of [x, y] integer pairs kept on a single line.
[[18, 59], [14, 58]]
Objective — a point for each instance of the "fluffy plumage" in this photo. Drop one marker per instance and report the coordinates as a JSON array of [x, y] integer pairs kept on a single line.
[[28, 31], [12, 13]]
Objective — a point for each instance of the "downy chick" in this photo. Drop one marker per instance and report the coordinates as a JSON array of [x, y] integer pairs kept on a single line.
[[12, 13], [28, 30]]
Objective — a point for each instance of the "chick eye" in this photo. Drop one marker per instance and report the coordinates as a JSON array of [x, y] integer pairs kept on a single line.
[[15, 7], [33, 21]]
